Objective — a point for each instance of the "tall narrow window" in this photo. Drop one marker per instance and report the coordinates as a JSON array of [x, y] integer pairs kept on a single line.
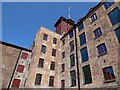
[[38, 79], [73, 78], [71, 46], [15, 83], [84, 54], [52, 67], [82, 39], [63, 54], [63, 42], [45, 37], [108, 73], [54, 40], [24, 55], [87, 74], [51, 81], [108, 3], [20, 68], [43, 49], [63, 67], [62, 83], [80, 26], [53, 52], [71, 34], [41, 63], [72, 60], [114, 16], [102, 49], [97, 33], [93, 17], [117, 32]]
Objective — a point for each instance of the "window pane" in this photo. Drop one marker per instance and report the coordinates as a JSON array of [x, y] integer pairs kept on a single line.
[[84, 54], [108, 3], [73, 77], [71, 34], [80, 27], [43, 49], [117, 32], [71, 46], [53, 52], [15, 83], [54, 41], [38, 79], [102, 49], [51, 81], [72, 60], [45, 37], [82, 39], [52, 67], [41, 63], [97, 33]]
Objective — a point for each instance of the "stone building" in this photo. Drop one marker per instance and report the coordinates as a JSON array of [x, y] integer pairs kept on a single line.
[[15, 62], [81, 55]]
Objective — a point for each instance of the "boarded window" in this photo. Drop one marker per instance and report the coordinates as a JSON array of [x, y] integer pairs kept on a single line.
[[51, 81], [20, 68], [24, 55], [97, 33], [16, 83], [38, 79], [93, 17], [80, 26]]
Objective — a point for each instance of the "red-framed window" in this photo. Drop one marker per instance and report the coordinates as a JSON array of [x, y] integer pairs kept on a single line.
[[20, 68], [16, 83], [108, 73], [24, 55]]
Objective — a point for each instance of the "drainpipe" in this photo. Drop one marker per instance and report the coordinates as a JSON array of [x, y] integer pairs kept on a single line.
[[78, 73], [14, 70]]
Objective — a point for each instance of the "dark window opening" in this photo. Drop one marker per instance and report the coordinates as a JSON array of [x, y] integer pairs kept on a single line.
[[93, 17], [52, 67], [51, 81], [38, 79], [71, 46], [108, 3], [73, 78], [53, 52], [63, 42], [20, 68], [102, 49], [117, 32], [63, 67], [45, 37], [97, 33], [43, 49], [82, 39], [72, 60], [41, 63], [62, 83]]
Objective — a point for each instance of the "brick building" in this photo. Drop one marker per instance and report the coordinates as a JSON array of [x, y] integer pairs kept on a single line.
[[81, 55]]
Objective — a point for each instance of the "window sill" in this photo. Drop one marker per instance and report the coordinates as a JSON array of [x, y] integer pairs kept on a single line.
[[102, 54], [108, 81], [72, 85], [97, 37]]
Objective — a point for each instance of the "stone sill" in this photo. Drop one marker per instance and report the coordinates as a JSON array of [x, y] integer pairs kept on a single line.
[[108, 81], [102, 54]]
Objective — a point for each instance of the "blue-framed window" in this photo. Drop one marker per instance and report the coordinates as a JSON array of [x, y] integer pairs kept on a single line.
[[71, 34], [114, 16], [97, 33], [93, 17], [45, 37], [108, 3], [102, 49], [108, 73], [117, 32], [84, 54], [80, 26], [82, 39]]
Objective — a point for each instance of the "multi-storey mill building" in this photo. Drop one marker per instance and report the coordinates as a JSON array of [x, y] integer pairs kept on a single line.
[[82, 55]]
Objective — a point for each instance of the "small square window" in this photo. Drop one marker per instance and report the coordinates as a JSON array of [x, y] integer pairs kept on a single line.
[[102, 49], [45, 37], [117, 32], [93, 17], [62, 83], [54, 41], [73, 78]]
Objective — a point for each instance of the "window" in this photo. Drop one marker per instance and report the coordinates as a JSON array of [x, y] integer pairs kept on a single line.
[[82, 39], [54, 41], [71, 34], [84, 54], [38, 79], [93, 17], [87, 74], [43, 49], [102, 49], [80, 26], [51, 81], [71, 46], [109, 3], [63, 55], [53, 52], [108, 73], [52, 67], [63, 42], [15, 83], [62, 83], [97, 33], [24, 55], [114, 16], [45, 37], [117, 32], [41, 63], [20, 68], [72, 60], [63, 67], [73, 78]]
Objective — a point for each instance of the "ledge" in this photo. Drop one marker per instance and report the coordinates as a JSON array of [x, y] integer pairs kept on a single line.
[[108, 81]]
